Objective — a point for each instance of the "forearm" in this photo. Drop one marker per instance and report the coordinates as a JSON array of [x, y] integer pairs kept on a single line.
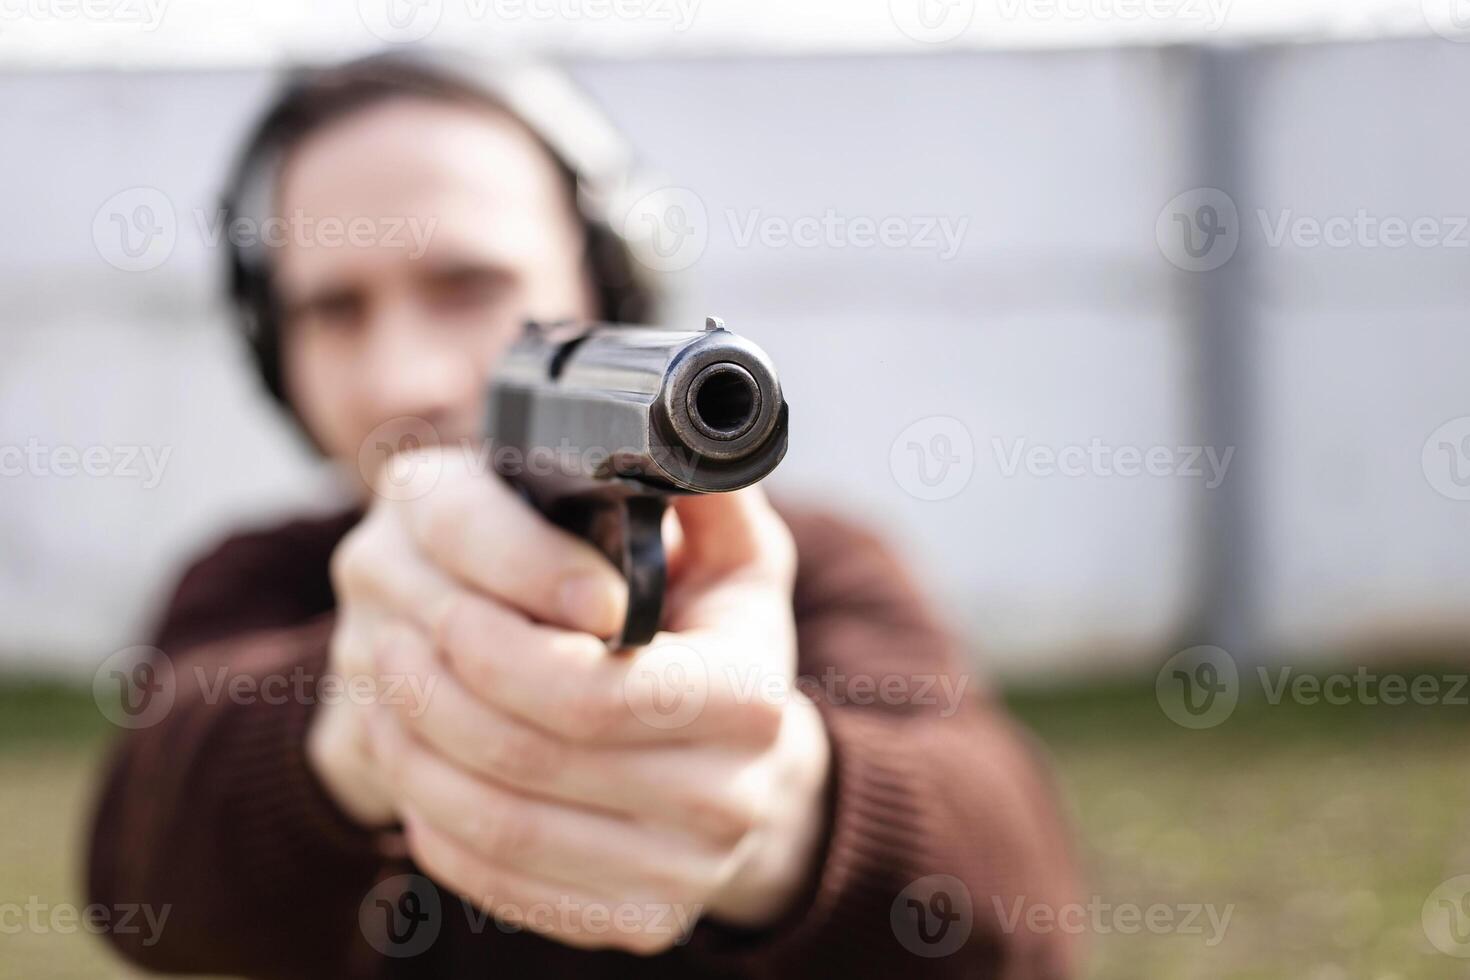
[[928, 778], [914, 799], [946, 818], [214, 815]]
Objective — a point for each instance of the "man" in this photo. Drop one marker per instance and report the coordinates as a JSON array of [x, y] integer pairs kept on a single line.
[[501, 804]]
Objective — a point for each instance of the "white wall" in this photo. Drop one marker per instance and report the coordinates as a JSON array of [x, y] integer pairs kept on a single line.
[[1058, 321]]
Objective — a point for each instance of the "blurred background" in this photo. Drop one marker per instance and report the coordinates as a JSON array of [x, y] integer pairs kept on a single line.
[[1137, 325]]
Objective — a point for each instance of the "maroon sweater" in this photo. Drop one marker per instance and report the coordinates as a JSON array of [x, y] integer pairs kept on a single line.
[[214, 812]]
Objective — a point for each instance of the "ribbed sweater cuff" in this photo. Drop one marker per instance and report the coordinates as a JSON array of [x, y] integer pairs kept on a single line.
[[875, 833]]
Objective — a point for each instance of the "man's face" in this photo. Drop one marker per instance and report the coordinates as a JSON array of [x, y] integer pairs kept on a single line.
[[463, 231]]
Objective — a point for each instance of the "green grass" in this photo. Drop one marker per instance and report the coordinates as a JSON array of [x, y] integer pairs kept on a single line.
[[45, 713], [1322, 828]]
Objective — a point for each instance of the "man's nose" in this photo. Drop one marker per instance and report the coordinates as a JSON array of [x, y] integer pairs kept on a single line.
[[411, 370]]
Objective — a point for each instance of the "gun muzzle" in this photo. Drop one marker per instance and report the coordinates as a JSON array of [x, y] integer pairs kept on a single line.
[[697, 411]]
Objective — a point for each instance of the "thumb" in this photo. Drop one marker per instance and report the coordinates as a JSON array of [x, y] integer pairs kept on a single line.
[[737, 565], [723, 532]]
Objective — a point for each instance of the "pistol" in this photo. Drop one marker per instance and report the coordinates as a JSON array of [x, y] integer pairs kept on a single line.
[[597, 425]]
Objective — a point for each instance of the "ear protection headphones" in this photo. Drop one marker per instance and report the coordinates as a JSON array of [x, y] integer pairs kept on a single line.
[[590, 155]]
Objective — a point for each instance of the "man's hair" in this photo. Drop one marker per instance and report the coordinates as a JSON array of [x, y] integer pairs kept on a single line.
[[314, 98]]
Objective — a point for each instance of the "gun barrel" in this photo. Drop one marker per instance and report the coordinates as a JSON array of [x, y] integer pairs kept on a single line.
[[670, 410]]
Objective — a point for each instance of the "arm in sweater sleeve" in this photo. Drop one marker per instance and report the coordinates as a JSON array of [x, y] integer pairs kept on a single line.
[[211, 815], [923, 784]]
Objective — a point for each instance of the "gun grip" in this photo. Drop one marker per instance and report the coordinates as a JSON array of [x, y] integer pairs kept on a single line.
[[630, 532]]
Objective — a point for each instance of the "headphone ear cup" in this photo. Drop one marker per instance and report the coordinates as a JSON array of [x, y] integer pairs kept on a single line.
[[254, 311], [263, 329]]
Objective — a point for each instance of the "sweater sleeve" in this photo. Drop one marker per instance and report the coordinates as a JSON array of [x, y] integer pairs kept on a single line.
[[943, 829], [210, 815]]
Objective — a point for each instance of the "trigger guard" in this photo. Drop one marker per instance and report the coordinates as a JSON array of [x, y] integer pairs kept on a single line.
[[630, 533]]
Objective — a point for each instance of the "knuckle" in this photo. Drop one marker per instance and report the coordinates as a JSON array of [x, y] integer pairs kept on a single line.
[[350, 566], [666, 879], [440, 522], [380, 648], [390, 759], [675, 880], [725, 820], [522, 756], [510, 834], [351, 646], [464, 633], [589, 715], [451, 627], [761, 722]]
